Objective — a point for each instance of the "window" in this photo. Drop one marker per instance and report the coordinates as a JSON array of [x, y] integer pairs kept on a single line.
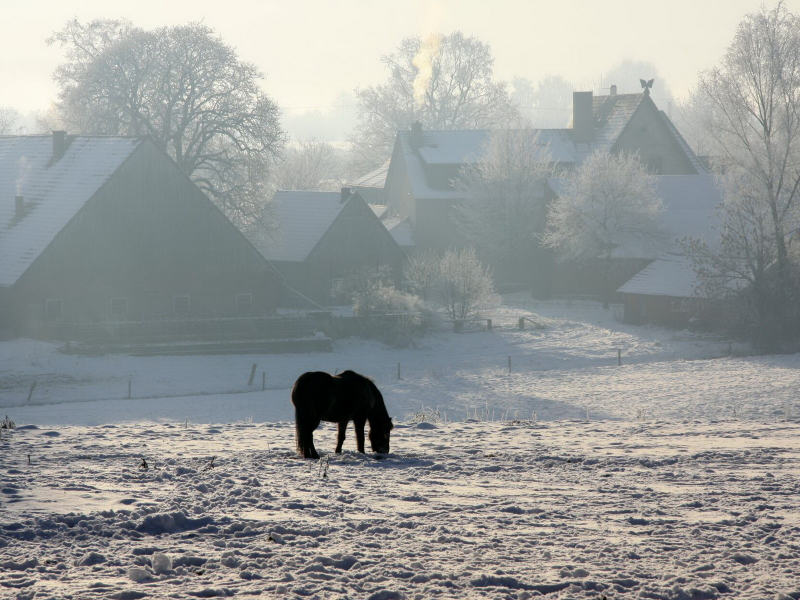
[[244, 302], [54, 309], [119, 307], [181, 305]]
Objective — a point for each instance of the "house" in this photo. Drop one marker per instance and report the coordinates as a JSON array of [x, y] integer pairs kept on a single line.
[[424, 164], [322, 237], [665, 292], [102, 229]]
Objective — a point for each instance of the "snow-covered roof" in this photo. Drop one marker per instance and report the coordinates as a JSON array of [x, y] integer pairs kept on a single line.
[[669, 275], [53, 193], [689, 211], [401, 229], [698, 164], [373, 179], [302, 219], [379, 210], [612, 114], [454, 148]]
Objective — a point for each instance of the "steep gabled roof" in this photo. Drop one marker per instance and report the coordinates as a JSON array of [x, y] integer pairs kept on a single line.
[[53, 192], [302, 219], [612, 114], [698, 164]]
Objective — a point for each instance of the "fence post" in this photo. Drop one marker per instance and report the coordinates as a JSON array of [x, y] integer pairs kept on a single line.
[[509, 364], [263, 380], [398, 371], [129, 389], [488, 324], [252, 374], [521, 324], [619, 357]]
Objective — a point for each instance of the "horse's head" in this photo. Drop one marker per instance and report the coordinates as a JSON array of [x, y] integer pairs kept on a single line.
[[379, 436]]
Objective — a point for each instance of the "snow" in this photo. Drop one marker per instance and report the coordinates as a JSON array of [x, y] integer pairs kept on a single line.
[[674, 475]]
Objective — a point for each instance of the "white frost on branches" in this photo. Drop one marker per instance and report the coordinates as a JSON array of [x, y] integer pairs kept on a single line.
[[608, 208]]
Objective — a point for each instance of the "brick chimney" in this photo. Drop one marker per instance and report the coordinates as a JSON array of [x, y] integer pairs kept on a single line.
[[346, 193], [59, 145], [416, 135], [19, 205], [613, 90], [582, 117]]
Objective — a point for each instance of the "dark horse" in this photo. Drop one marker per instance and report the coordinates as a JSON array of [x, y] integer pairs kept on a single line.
[[319, 396]]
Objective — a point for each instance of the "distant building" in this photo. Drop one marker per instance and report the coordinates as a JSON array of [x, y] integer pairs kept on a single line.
[[96, 229], [424, 164], [322, 237], [371, 186]]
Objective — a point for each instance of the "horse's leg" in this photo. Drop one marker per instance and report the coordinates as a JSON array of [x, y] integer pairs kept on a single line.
[[358, 425], [341, 436], [305, 437]]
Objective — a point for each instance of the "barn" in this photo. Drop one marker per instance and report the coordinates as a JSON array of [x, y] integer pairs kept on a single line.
[[101, 230], [322, 237]]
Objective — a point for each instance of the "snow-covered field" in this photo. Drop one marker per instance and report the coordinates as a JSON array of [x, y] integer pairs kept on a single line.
[[675, 475]]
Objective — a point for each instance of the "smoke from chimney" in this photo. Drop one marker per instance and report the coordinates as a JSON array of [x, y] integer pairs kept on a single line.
[[423, 60]]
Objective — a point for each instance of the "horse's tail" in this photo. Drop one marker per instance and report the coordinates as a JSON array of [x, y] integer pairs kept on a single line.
[[297, 416], [297, 435]]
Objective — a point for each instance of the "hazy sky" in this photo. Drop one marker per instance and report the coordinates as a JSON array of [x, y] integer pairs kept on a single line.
[[311, 50]]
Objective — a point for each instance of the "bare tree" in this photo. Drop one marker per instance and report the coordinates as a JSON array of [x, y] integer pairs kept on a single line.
[[465, 286], [608, 206], [421, 273], [504, 211], [185, 88], [311, 165], [755, 119], [444, 82], [752, 125]]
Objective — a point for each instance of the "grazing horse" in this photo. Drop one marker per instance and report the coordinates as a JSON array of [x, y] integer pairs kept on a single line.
[[319, 396]]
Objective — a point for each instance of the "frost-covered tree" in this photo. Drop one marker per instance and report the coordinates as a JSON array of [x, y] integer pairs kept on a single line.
[[311, 165], [421, 273], [443, 81], [188, 90], [608, 207], [504, 210], [752, 125], [465, 286], [8, 118]]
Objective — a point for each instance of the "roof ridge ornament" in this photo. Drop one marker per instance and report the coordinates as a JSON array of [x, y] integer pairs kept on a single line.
[[646, 86]]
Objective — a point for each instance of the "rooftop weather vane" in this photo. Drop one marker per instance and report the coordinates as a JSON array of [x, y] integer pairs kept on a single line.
[[646, 86]]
